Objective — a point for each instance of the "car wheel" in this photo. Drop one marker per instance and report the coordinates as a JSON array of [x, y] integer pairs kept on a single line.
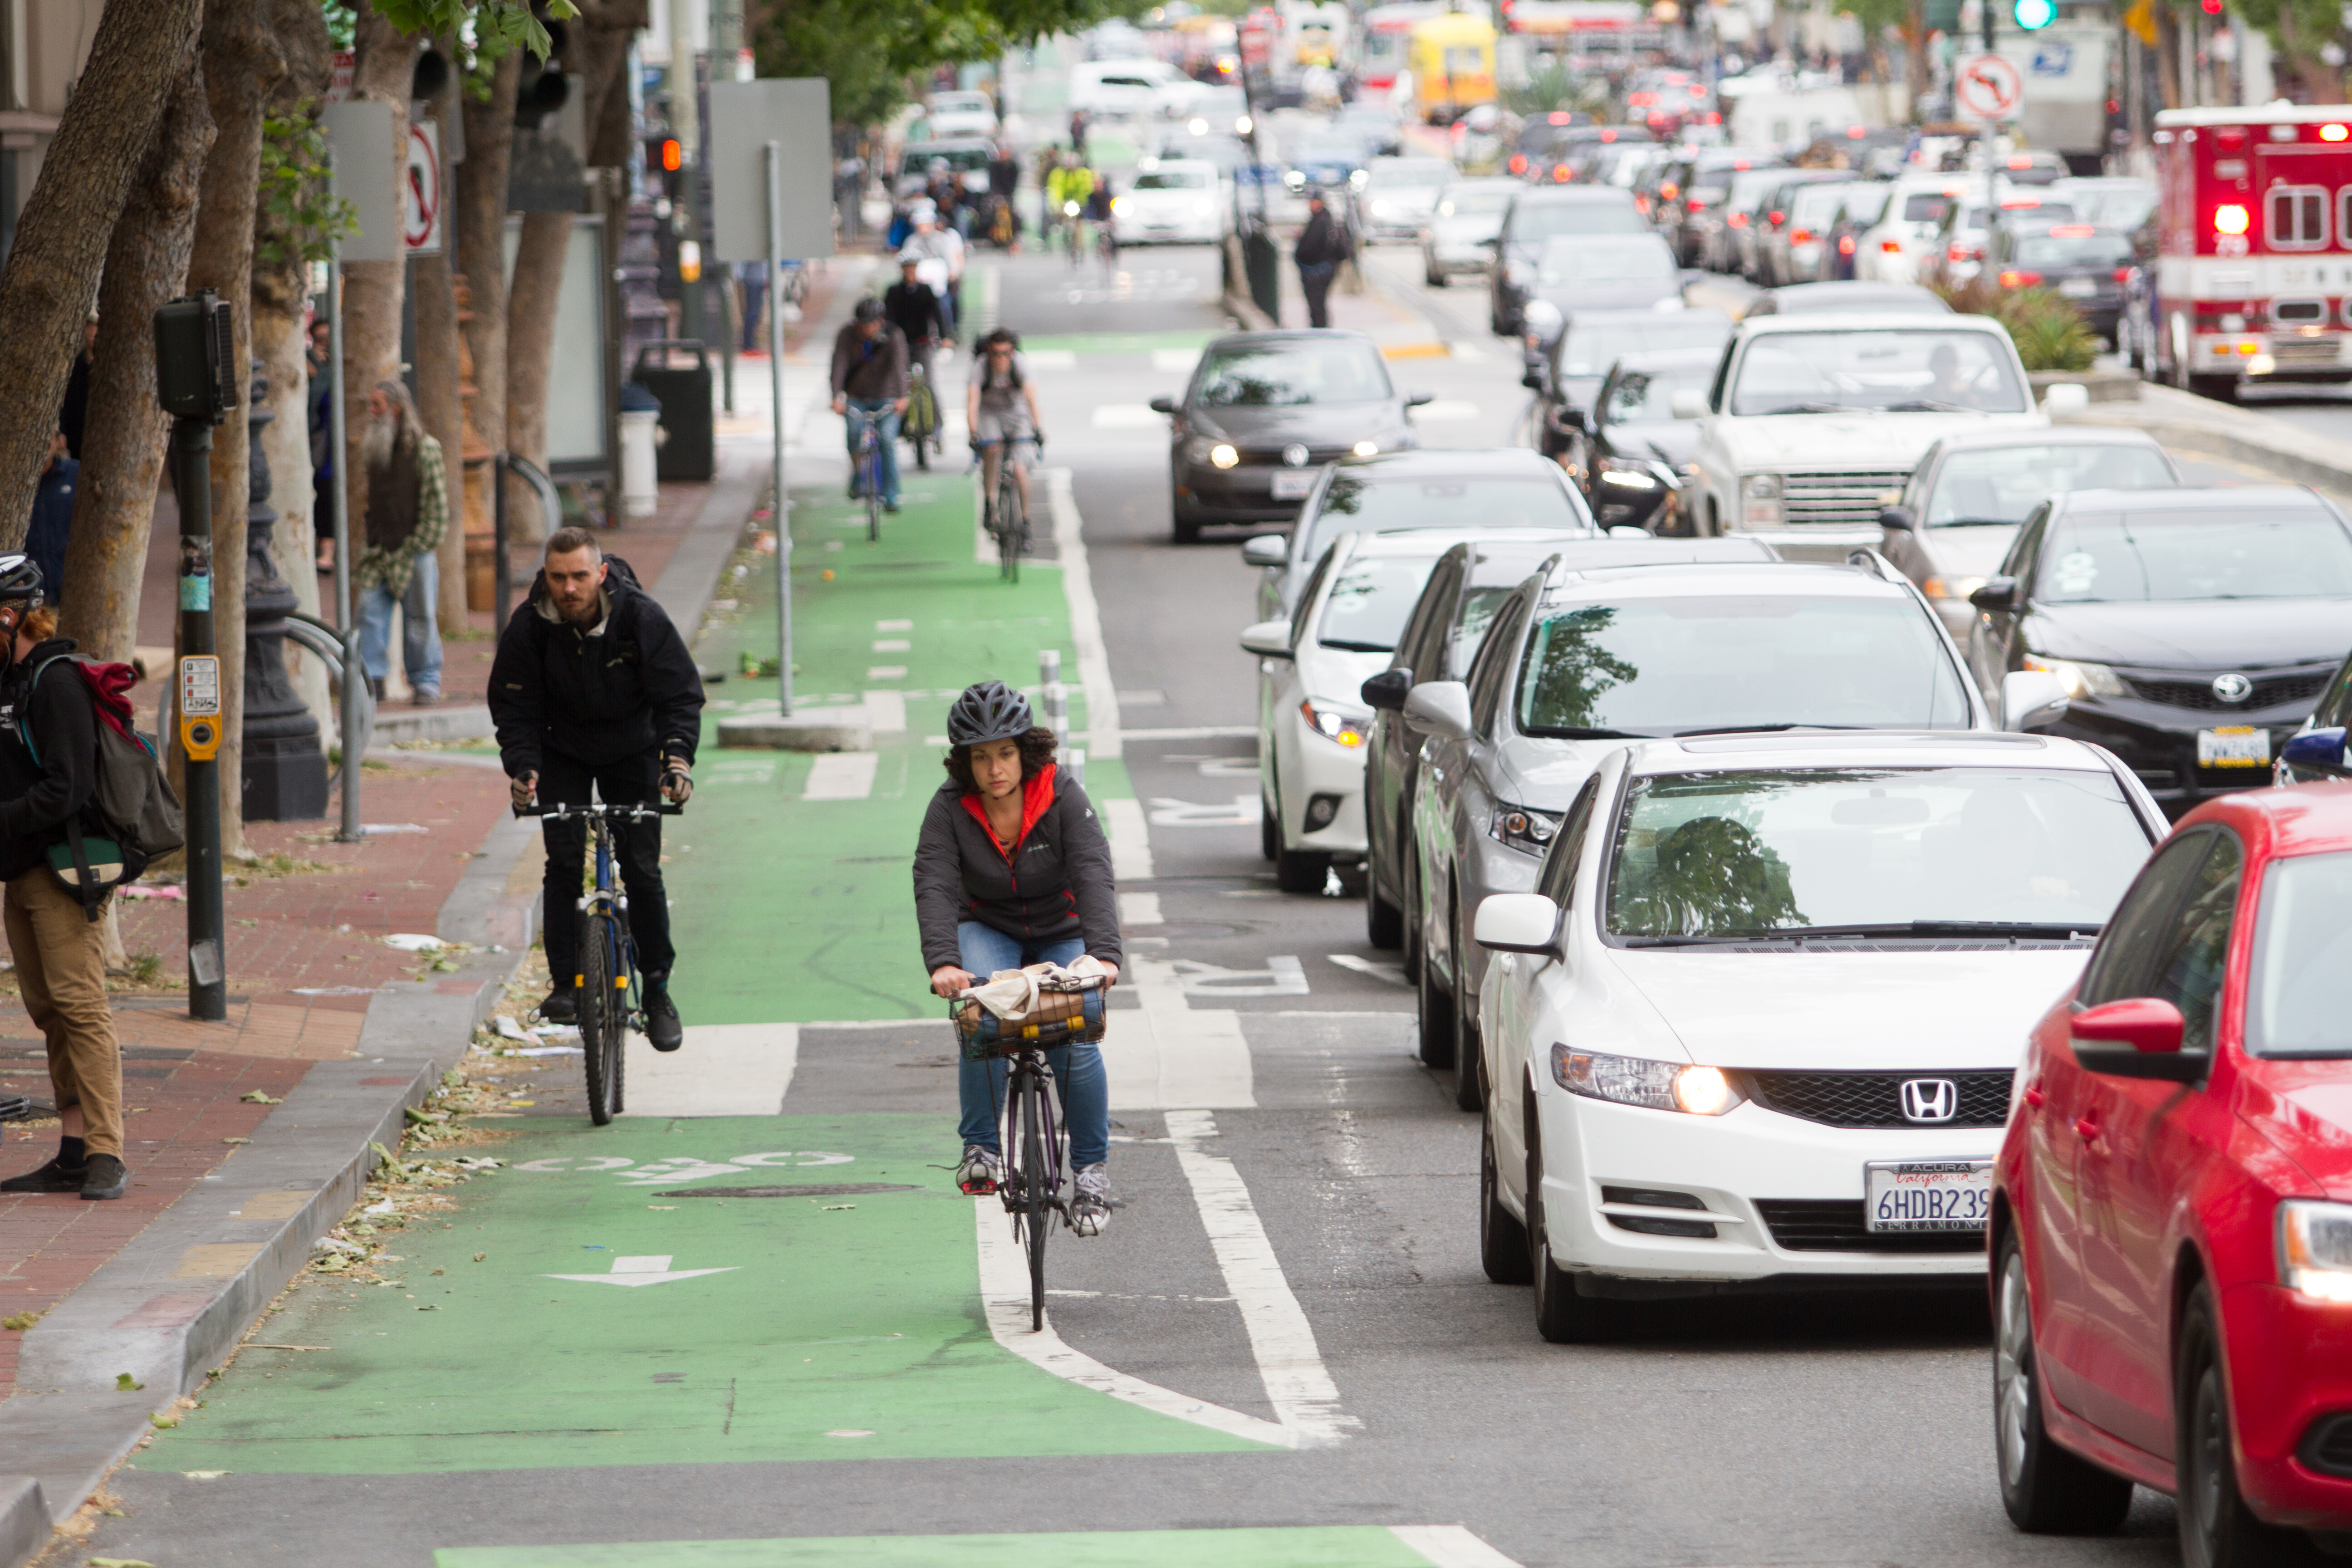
[[1564, 1315], [1383, 922], [1185, 530], [1435, 1008], [2047, 1489], [2217, 1529], [1502, 1239], [1469, 1052], [2220, 388]]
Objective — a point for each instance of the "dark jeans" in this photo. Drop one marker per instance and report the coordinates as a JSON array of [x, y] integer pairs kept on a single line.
[[1315, 282], [565, 781]]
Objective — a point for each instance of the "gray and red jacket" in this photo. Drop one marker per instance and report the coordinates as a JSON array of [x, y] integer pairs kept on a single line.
[[1050, 883]]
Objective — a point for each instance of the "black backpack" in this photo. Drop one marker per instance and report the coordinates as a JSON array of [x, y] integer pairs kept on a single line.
[[134, 800]]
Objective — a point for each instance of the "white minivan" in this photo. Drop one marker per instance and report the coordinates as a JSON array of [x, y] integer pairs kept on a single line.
[[1128, 87]]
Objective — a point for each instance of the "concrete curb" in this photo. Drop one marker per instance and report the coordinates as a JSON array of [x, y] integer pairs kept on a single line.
[[174, 1303], [2300, 456]]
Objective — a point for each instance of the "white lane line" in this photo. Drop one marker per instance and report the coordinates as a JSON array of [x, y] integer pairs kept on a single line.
[[1169, 1055], [1127, 416], [723, 1070], [1004, 1292], [1304, 1397], [1391, 972], [1450, 1546], [885, 712], [894, 625], [1051, 359], [1175, 362], [841, 775], [1139, 910], [1131, 839], [1086, 619]]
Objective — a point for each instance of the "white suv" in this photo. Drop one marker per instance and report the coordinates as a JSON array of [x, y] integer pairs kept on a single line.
[[1815, 423]]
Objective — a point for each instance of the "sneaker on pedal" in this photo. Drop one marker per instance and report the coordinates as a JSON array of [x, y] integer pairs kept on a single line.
[[562, 1006], [1090, 1213], [662, 1024], [978, 1173]]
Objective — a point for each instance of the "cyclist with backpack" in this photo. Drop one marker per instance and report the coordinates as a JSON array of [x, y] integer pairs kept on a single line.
[[1012, 869], [1001, 412]]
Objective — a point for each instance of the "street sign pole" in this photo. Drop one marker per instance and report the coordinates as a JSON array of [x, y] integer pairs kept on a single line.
[[781, 513], [346, 620]]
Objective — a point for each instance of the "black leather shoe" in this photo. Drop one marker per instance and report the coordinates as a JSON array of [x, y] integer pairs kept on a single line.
[[52, 1178], [560, 1006], [662, 1024], [104, 1177]]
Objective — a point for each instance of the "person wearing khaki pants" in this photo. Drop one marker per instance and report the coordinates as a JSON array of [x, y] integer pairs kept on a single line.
[[55, 939]]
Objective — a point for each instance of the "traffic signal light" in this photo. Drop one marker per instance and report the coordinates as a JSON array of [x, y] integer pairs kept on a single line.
[[2035, 15]]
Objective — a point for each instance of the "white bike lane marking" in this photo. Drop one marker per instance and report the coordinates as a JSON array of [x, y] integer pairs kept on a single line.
[[1450, 1546], [723, 1070]]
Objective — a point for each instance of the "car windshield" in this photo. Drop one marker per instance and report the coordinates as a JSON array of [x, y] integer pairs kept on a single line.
[[2091, 248], [1571, 263], [1926, 207], [1474, 615], [1672, 667], [1369, 500], [1473, 204], [1871, 852], [1588, 348], [1172, 180], [1537, 221], [1816, 205], [1292, 374], [2004, 484], [1864, 205], [2303, 946], [1411, 173], [2113, 558], [2114, 206], [1369, 601], [1913, 370]]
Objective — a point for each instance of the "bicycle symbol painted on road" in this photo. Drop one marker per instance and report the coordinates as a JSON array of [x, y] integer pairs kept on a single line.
[[678, 1168]]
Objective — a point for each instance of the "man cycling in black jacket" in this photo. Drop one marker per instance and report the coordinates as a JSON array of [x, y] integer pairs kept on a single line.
[[592, 685]]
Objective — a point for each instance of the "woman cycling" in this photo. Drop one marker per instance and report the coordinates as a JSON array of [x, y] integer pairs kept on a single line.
[[1006, 805], [1001, 412]]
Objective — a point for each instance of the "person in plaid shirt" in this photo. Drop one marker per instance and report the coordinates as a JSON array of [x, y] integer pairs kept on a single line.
[[407, 516]]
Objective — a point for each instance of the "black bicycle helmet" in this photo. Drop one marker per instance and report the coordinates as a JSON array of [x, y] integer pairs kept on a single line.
[[20, 581], [869, 309], [990, 710]]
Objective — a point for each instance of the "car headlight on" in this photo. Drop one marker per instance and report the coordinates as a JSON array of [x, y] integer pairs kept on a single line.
[[1198, 127], [1383, 209], [1342, 729], [2315, 1249], [1294, 179], [2082, 679], [1357, 180], [1628, 478], [1119, 203], [1367, 448], [1761, 498], [1951, 587], [1529, 832], [1223, 456], [1241, 124], [1635, 1080]]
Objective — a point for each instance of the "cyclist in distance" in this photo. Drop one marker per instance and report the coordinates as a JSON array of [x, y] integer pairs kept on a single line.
[[592, 685], [1001, 412], [912, 305], [869, 387], [1012, 869]]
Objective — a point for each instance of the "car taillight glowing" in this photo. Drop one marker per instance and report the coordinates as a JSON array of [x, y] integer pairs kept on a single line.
[[2072, 231], [2123, 273], [1519, 162], [1561, 174], [1696, 204], [1670, 190], [1737, 220], [2230, 218], [1775, 218], [2014, 277], [1891, 246], [1845, 244], [1801, 236]]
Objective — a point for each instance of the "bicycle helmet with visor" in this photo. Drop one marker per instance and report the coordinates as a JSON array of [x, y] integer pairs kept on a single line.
[[989, 710], [20, 595], [869, 309]]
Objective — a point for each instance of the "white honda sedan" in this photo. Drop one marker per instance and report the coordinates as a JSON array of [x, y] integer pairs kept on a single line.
[[1759, 1022]]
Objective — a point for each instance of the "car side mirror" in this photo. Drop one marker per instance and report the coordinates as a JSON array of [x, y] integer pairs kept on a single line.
[[1387, 689], [1267, 639], [1164, 405], [1689, 404], [1898, 520], [2321, 751], [1569, 417], [1999, 595], [1266, 550], [1439, 708], [1416, 399], [2136, 1038], [2031, 699], [1516, 923]]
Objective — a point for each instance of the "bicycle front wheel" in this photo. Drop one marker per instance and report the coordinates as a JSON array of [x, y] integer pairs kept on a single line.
[[601, 1018], [1036, 1190], [1009, 525]]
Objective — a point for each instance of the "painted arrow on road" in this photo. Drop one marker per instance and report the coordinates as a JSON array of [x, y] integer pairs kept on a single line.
[[641, 1271]]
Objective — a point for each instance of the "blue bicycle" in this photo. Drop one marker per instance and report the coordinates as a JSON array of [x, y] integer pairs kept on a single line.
[[869, 471], [608, 985]]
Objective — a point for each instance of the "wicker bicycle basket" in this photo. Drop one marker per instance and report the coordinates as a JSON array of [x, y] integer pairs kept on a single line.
[[1060, 1018]]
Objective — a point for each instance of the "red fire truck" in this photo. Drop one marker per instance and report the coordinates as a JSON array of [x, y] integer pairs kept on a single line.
[[2248, 278]]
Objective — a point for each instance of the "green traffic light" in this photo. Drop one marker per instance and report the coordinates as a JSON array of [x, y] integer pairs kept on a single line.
[[2034, 14]]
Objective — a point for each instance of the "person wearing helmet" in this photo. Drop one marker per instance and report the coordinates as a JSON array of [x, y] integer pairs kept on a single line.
[[869, 387], [912, 305], [1012, 867], [56, 943]]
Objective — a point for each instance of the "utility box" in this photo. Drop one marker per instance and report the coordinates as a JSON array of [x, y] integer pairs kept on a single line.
[[677, 372]]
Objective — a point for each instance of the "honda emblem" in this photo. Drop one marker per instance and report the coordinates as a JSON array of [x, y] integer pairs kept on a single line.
[[1930, 1099]]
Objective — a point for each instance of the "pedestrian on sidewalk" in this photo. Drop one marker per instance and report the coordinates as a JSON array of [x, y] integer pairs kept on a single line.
[[1322, 246], [56, 943], [869, 387], [407, 513], [53, 504], [753, 277], [1005, 800], [593, 686]]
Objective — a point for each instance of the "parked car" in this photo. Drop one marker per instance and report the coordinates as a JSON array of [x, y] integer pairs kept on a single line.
[[1178, 202], [1468, 214], [1758, 1020], [1453, 486], [1591, 342], [2172, 1244], [1591, 657], [1264, 411], [1623, 272], [2087, 264], [1814, 299], [1815, 418], [2193, 629], [1974, 489], [1536, 216], [1634, 459], [1399, 195]]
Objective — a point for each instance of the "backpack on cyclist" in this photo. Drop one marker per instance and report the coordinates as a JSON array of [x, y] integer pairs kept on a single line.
[[133, 801]]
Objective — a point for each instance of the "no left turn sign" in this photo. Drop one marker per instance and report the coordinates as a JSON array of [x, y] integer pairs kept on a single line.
[[1989, 87]]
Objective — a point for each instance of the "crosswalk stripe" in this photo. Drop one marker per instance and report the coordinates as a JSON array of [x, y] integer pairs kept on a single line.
[[841, 775], [723, 1070]]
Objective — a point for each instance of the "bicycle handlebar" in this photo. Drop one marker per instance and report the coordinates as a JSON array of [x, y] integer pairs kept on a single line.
[[634, 812]]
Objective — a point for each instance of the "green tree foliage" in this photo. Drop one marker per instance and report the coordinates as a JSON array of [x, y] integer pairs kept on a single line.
[[2047, 328], [301, 219], [868, 48]]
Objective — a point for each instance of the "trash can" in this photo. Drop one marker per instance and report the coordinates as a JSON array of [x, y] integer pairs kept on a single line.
[[684, 392], [640, 413]]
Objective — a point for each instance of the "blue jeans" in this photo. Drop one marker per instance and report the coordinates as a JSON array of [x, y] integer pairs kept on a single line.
[[1078, 1068], [420, 631], [883, 414]]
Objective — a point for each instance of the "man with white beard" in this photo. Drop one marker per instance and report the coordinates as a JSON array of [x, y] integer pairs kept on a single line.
[[408, 514]]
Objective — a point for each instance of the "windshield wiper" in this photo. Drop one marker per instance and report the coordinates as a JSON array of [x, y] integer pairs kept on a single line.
[[1568, 733], [1975, 522], [1358, 647], [1810, 408], [1929, 405], [1762, 729], [2059, 929]]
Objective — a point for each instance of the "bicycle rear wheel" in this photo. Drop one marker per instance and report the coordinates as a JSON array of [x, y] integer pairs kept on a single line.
[[1008, 524], [873, 496], [599, 1029], [1036, 1190]]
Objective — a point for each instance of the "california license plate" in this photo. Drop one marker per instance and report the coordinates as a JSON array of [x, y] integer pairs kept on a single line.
[[1926, 1195], [2235, 746], [2078, 287], [1292, 484]]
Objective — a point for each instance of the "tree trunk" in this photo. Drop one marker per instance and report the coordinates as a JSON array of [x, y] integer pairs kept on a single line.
[[531, 345], [122, 456], [51, 279], [243, 65], [1915, 53], [438, 404], [481, 233], [373, 289]]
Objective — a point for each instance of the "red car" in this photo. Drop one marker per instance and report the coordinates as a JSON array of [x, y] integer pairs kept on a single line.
[[2171, 1230]]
